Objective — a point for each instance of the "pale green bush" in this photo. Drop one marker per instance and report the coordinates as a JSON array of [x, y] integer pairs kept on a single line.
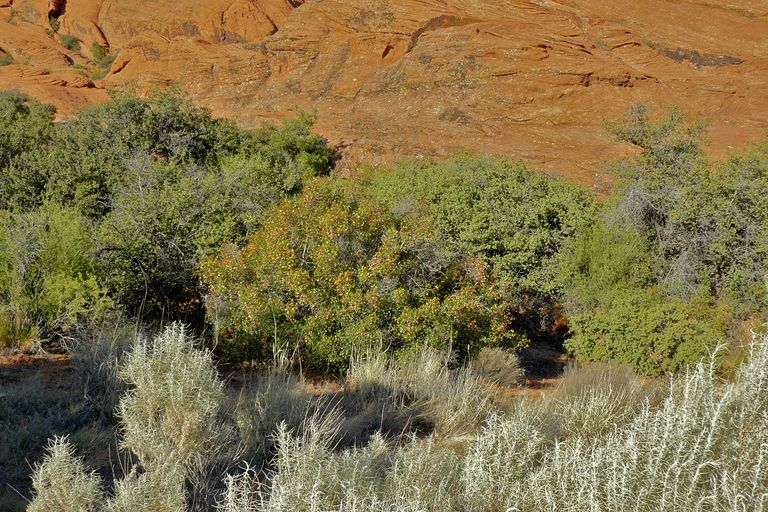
[[241, 492], [423, 475], [171, 411], [62, 483], [500, 460], [704, 447], [161, 490], [310, 477]]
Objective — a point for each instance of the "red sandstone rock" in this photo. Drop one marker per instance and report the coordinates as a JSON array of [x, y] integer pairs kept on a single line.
[[396, 78]]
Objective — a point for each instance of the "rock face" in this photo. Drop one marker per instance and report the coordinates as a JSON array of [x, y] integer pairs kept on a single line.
[[396, 78]]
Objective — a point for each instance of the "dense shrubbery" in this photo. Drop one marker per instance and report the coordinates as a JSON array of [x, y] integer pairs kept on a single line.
[[120, 203], [449, 256], [151, 206], [678, 254], [515, 220]]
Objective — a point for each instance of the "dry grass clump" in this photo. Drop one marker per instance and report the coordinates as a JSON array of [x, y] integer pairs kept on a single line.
[[97, 353], [276, 396], [17, 332], [422, 388], [499, 366], [593, 399], [30, 414]]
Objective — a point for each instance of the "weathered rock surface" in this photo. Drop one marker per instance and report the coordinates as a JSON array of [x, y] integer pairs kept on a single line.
[[395, 78]]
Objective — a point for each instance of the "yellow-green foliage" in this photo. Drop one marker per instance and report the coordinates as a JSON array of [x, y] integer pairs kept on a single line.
[[47, 270], [333, 272]]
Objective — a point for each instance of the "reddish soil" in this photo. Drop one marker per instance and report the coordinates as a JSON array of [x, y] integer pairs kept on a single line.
[[53, 371]]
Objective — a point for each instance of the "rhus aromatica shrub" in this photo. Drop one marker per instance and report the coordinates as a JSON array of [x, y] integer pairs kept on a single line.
[[515, 220], [332, 272]]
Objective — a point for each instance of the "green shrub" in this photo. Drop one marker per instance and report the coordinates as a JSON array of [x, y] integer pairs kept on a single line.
[[678, 254], [643, 329], [708, 221], [5, 60], [332, 273], [101, 56], [48, 268], [24, 125], [514, 219], [619, 313], [70, 42]]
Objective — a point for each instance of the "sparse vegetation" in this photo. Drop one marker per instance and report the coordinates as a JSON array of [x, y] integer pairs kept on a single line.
[[53, 21], [70, 42], [103, 58]]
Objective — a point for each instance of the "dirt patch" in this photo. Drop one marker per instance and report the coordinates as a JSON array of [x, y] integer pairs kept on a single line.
[[53, 370]]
